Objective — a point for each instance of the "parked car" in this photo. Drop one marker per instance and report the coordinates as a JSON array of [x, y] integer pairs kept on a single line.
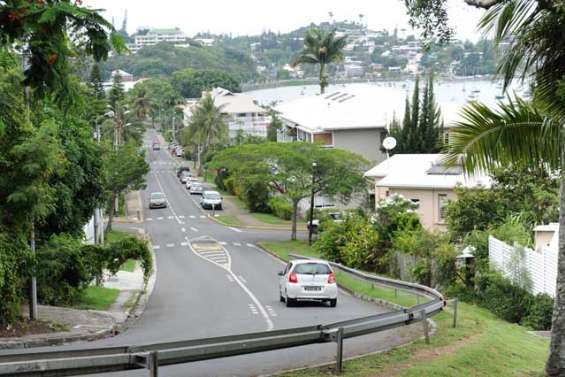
[[156, 146], [211, 200], [336, 217], [196, 188], [185, 176], [190, 181], [308, 280], [157, 200], [179, 151], [181, 169]]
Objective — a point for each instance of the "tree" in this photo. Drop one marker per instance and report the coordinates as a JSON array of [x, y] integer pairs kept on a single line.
[[207, 125], [49, 31], [321, 48], [274, 126], [191, 83], [117, 92], [287, 168], [124, 169], [140, 102]]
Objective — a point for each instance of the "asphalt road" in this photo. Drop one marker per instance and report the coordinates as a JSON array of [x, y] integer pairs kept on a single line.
[[195, 297]]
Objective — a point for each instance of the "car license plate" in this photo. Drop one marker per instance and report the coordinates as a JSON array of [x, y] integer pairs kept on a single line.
[[312, 288]]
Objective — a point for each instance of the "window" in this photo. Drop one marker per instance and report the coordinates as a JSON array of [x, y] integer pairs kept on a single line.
[[442, 202], [312, 269]]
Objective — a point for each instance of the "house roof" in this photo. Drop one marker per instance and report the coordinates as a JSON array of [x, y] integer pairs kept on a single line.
[[234, 103], [353, 108], [424, 171], [120, 72]]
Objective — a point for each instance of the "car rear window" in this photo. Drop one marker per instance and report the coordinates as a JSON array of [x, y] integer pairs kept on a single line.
[[157, 196], [312, 269]]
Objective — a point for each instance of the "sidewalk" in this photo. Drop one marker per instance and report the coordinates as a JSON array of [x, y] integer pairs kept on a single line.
[[81, 325], [133, 209]]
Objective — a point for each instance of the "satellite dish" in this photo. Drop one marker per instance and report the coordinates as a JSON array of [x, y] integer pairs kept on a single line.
[[389, 143]]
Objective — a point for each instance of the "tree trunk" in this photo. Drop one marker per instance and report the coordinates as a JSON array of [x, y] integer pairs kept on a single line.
[[112, 210], [294, 219], [323, 79], [556, 362]]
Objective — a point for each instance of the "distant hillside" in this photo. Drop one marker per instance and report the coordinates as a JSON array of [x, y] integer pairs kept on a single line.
[[164, 59]]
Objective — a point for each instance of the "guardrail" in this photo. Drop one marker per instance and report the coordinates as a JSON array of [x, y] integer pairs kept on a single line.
[[151, 356]]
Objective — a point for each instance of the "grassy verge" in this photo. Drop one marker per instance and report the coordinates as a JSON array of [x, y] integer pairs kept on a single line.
[[98, 298], [268, 218], [116, 236], [481, 345], [229, 220], [129, 265]]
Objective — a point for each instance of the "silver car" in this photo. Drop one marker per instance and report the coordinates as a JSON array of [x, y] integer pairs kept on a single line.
[[157, 200], [196, 188], [211, 200]]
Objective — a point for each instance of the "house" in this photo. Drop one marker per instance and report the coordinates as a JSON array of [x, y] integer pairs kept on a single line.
[[425, 180], [241, 113], [124, 76], [354, 119]]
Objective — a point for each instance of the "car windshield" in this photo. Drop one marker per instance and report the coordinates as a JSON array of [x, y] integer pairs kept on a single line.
[[196, 185], [157, 195], [312, 269], [185, 173], [213, 195]]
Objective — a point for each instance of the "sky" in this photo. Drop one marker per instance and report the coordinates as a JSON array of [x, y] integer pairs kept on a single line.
[[240, 17]]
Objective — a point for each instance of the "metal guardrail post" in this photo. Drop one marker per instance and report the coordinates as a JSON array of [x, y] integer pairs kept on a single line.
[[153, 364], [425, 325], [339, 354], [455, 305]]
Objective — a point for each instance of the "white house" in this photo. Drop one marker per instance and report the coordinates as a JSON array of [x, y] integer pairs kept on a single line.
[[154, 36], [426, 181], [240, 111]]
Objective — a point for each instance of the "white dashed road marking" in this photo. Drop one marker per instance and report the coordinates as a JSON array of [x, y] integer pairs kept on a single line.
[[159, 218], [184, 243], [250, 245], [236, 244], [253, 309], [170, 217], [271, 311], [183, 230], [181, 217], [223, 243], [229, 277], [149, 219], [193, 229], [235, 229], [202, 216], [156, 247], [170, 245], [192, 217], [242, 279]]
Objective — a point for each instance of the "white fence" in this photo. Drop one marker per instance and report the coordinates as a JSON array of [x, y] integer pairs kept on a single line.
[[536, 270]]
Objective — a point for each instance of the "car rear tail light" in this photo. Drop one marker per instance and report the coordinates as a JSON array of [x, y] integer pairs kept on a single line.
[[331, 278], [292, 278]]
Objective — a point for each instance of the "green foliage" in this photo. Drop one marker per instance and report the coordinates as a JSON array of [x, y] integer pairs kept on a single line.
[[49, 32], [191, 83], [353, 242], [276, 124], [530, 195], [435, 256], [421, 129], [321, 47], [280, 207], [163, 59], [255, 195], [15, 258], [66, 267], [287, 169], [539, 313]]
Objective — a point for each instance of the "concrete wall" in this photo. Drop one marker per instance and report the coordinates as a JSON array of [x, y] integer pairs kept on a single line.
[[428, 209], [367, 143]]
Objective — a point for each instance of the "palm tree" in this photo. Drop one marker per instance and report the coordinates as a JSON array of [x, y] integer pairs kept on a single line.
[[207, 125], [321, 47], [141, 103], [521, 133]]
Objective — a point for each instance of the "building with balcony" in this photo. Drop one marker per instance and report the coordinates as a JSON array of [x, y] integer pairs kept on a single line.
[[152, 37]]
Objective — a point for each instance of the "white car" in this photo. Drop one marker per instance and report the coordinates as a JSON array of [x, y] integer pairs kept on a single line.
[[211, 200], [190, 181], [196, 188], [185, 176], [308, 280]]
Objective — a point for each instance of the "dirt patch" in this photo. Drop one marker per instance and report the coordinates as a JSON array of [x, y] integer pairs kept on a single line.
[[26, 327], [427, 355]]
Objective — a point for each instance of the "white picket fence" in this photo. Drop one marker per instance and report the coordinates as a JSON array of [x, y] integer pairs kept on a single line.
[[539, 266]]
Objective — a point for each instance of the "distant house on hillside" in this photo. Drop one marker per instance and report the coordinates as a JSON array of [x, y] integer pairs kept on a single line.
[[125, 76], [152, 37], [426, 181], [127, 79], [354, 120], [240, 111]]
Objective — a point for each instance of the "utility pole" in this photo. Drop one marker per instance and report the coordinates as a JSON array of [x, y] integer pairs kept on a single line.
[[310, 224]]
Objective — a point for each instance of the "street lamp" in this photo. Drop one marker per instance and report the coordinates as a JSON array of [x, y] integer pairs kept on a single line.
[[311, 222]]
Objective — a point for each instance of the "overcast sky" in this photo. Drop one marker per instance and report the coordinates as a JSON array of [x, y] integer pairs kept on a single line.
[[254, 16]]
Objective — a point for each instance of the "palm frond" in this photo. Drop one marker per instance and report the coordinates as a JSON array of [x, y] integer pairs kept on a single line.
[[514, 134]]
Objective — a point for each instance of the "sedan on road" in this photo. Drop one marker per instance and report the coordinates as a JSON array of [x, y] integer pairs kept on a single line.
[[211, 200], [185, 176], [308, 280], [196, 188], [190, 181], [157, 200]]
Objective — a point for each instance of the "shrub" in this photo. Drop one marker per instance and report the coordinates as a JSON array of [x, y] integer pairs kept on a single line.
[[331, 240], [539, 313], [281, 207], [15, 258], [255, 195], [504, 299]]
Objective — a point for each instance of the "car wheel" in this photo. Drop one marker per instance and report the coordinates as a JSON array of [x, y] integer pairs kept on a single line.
[[220, 207], [281, 297], [289, 302], [333, 302]]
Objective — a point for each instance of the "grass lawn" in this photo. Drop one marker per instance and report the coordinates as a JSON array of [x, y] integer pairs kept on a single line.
[[116, 235], [129, 265], [481, 345], [98, 298], [268, 218], [229, 220]]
